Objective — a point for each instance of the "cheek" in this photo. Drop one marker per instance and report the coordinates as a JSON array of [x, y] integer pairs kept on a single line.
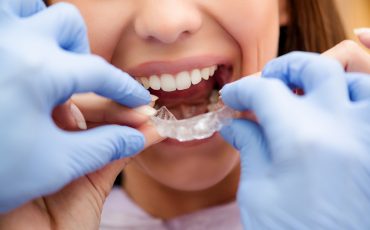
[[255, 28], [105, 21]]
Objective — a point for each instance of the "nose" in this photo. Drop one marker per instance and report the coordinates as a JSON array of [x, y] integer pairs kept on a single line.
[[167, 21]]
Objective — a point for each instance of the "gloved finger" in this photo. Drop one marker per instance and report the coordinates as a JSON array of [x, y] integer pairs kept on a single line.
[[92, 149], [65, 25], [310, 72], [352, 57], [270, 100], [107, 175], [247, 137], [358, 86], [89, 73], [23, 8], [363, 35]]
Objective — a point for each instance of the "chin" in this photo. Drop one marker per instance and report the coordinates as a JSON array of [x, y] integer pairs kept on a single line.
[[189, 166]]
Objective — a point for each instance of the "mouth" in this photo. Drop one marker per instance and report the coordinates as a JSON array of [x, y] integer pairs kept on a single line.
[[186, 87]]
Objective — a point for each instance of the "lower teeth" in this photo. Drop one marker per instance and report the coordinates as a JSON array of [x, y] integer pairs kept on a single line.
[[193, 128], [185, 111]]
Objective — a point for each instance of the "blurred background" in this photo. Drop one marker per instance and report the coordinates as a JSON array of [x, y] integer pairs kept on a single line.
[[355, 14]]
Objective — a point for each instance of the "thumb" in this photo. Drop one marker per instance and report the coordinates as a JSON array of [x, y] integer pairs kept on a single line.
[[358, 86], [247, 137], [364, 35], [351, 55], [109, 173], [90, 150]]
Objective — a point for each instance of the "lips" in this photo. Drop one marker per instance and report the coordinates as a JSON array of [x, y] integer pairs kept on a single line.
[[188, 81]]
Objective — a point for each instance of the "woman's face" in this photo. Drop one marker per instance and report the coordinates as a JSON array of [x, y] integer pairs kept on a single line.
[[174, 45]]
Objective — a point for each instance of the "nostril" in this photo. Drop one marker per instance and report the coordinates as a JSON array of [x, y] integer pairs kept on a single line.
[[168, 23], [159, 33], [185, 34], [151, 38], [167, 36]]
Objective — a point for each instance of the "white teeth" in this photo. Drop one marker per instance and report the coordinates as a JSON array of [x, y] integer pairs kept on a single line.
[[180, 81], [212, 71], [145, 82], [155, 82], [168, 83], [196, 76], [183, 80], [205, 73]]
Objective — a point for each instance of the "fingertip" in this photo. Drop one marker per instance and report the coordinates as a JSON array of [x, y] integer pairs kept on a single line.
[[139, 97], [104, 144], [124, 142], [78, 117], [151, 135], [63, 116], [225, 89], [133, 144], [269, 68], [365, 39], [229, 95], [361, 31], [93, 73], [131, 93]]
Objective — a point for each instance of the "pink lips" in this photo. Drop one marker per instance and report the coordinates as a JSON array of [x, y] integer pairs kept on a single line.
[[172, 67], [196, 93]]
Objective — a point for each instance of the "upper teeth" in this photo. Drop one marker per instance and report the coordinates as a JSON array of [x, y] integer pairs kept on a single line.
[[180, 81]]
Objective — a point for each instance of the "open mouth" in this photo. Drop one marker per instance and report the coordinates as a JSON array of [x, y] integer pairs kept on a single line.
[[186, 90]]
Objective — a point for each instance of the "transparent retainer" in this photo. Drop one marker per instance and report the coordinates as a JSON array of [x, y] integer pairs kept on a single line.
[[194, 128]]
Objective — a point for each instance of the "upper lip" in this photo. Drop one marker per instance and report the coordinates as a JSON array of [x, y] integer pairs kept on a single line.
[[150, 68]]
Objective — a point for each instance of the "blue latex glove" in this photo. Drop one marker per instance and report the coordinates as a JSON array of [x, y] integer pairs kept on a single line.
[[44, 59], [306, 164]]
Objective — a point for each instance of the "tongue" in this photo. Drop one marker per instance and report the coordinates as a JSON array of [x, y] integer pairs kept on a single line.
[[187, 103], [186, 111]]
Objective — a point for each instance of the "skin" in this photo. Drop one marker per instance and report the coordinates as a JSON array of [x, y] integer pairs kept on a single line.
[[166, 180], [135, 36], [158, 170], [127, 34], [352, 56]]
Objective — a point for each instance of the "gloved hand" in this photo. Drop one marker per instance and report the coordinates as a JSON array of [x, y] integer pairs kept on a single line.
[[44, 59], [306, 163]]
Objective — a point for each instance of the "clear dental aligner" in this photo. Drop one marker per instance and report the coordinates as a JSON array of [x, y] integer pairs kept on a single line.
[[195, 128]]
